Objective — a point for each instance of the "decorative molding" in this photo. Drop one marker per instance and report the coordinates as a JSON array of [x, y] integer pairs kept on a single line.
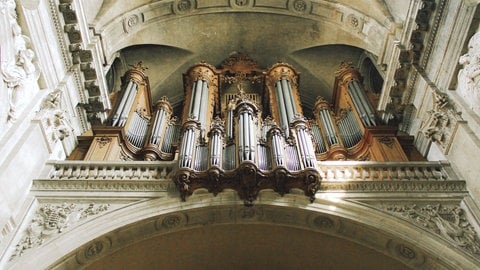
[[53, 118], [104, 185], [52, 219], [94, 250], [183, 6], [83, 67], [448, 221], [441, 122], [248, 181], [413, 58], [300, 6], [388, 141], [103, 141]]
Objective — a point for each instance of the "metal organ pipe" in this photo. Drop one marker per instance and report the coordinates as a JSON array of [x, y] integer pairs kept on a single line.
[[277, 148], [289, 84], [186, 152], [366, 103], [240, 138], [203, 104], [128, 105], [287, 100], [284, 124], [197, 100], [215, 148], [328, 126], [192, 99], [116, 116], [230, 124], [354, 126], [306, 150]]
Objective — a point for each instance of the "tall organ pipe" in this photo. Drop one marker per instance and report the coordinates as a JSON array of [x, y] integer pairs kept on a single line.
[[287, 100], [364, 100], [123, 101], [290, 92], [128, 106], [284, 124], [197, 101], [203, 104]]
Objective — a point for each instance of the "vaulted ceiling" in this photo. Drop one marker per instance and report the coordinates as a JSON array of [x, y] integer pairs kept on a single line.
[[313, 36]]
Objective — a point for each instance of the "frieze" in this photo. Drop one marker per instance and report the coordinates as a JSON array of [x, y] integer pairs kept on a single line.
[[52, 219], [394, 186], [448, 221], [104, 185]]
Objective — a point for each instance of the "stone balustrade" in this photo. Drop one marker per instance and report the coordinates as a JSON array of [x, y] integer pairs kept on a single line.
[[345, 176], [385, 171], [98, 170], [329, 171]]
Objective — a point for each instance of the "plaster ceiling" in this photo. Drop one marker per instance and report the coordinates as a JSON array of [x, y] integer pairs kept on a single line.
[[169, 43], [245, 246]]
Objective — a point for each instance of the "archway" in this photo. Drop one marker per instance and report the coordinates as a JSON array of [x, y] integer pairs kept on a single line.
[[287, 230]]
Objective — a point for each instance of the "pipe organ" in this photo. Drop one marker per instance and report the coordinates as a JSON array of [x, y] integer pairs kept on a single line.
[[243, 128]]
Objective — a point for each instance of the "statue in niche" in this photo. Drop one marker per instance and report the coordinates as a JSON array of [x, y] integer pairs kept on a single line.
[[469, 76]]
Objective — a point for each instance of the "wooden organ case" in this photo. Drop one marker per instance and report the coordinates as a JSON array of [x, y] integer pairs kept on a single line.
[[243, 128]]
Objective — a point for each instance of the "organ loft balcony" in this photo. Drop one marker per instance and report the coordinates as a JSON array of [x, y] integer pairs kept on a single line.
[[244, 128]]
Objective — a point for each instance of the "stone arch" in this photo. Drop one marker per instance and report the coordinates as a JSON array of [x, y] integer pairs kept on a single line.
[[314, 22], [390, 238]]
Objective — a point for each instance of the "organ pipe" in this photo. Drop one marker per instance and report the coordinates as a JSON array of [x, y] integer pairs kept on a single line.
[[281, 107], [361, 103], [125, 105], [216, 135], [305, 146]]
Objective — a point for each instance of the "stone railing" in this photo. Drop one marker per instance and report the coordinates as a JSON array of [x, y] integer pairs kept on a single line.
[[329, 171], [99, 170], [345, 176], [385, 171]]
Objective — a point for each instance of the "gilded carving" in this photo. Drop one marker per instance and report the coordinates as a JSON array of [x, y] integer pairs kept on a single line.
[[103, 141], [388, 141]]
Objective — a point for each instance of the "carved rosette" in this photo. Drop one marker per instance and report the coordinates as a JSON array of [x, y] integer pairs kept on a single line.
[[94, 250], [299, 6], [182, 7], [241, 4], [131, 22]]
